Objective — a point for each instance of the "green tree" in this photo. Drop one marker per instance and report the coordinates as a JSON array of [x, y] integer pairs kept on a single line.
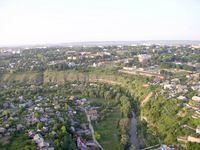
[[124, 139], [55, 126], [132, 147], [125, 106], [97, 135], [63, 130], [123, 124], [57, 143], [39, 125]]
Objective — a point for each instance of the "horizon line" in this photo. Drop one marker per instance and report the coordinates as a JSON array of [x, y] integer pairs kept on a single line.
[[98, 42]]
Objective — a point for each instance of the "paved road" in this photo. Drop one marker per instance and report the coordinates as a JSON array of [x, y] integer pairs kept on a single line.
[[133, 131]]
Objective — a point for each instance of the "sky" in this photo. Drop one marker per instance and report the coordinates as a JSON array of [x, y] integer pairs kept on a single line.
[[62, 21]]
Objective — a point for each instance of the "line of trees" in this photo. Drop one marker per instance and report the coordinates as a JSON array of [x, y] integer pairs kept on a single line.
[[125, 108]]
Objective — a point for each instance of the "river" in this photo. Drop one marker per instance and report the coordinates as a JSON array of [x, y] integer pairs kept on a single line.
[[133, 131]]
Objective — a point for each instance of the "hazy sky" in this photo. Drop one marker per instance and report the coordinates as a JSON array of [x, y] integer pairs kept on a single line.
[[57, 21]]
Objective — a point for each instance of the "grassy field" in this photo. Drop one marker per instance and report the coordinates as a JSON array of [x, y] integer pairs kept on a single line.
[[108, 127], [130, 82], [108, 131], [19, 77], [58, 76], [18, 142], [61, 76], [4, 62]]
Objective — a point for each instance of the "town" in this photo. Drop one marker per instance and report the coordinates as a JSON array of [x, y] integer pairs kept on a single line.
[[99, 75], [49, 102]]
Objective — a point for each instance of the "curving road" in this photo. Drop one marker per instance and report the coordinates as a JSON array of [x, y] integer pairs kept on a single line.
[[91, 128]]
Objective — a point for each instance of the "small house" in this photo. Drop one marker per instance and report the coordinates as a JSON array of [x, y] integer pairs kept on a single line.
[[2, 130], [183, 98], [93, 114], [43, 144], [198, 130], [196, 98], [38, 138]]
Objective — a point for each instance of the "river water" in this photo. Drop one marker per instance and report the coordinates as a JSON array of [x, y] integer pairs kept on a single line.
[[133, 131]]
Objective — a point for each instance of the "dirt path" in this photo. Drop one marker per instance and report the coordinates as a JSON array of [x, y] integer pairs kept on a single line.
[[92, 129], [108, 81], [147, 98]]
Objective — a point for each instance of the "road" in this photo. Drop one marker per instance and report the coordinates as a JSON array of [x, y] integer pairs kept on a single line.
[[147, 98], [133, 131], [92, 129]]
